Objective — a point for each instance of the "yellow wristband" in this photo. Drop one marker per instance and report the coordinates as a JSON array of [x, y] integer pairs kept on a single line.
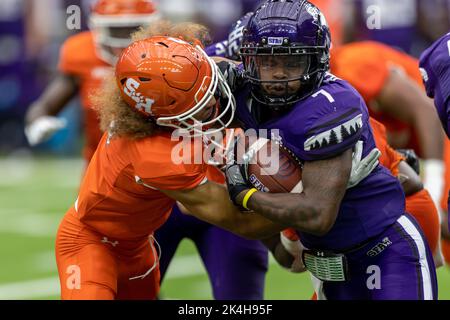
[[247, 196]]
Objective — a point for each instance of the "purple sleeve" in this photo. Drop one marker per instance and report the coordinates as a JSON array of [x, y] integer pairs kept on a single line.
[[435, 69], [334, 122], [218, 49]]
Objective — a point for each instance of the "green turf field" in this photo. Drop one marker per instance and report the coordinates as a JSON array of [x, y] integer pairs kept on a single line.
[[34, 194]]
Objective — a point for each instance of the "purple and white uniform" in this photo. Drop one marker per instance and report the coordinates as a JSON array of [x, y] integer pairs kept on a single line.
[[328, 122], [218, 49], [435, 68]]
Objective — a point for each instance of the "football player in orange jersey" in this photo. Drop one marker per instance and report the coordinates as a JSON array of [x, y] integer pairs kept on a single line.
[[102, 247], [85, 59], [391, 84]]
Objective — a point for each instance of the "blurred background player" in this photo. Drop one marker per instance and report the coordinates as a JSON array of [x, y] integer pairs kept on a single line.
[[85, 59], [435, 69], [391, 85]]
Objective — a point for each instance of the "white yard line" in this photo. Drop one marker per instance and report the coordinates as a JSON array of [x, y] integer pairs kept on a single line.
[[181, 267], [29, 224]]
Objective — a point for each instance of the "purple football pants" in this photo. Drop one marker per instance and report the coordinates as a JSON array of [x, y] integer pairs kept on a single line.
[[397, 265], [236, 266]]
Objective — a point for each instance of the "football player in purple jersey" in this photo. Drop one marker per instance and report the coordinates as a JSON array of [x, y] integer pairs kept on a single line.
[[361, 244], [435, 68], [229, 48]]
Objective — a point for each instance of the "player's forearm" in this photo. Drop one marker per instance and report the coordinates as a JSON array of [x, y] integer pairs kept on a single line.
[[280, 254], [409, 179], [295, 210], [430, 134], [217, 209], [248, 225], [53, 99]]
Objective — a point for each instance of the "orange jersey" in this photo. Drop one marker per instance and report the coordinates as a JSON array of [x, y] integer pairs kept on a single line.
[[366, 66], [78, 58], [119, 195], [389, 157]]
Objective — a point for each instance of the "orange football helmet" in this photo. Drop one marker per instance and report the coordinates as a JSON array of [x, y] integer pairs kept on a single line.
[[175, 83], [113, 21]]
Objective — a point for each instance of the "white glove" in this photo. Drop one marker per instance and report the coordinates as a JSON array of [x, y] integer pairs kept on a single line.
[[361, 168], [43, 128], [293, 245], [433, 181]]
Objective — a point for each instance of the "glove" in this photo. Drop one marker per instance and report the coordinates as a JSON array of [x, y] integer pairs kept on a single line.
[[236, 182], [361, 168], [43, 128], [411, 159], [236, 173], [291, 242]]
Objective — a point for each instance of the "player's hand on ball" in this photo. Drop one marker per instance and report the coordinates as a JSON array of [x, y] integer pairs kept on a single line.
[[361, 168]]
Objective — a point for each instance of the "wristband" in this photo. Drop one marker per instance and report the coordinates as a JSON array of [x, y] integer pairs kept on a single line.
[[247, 196]]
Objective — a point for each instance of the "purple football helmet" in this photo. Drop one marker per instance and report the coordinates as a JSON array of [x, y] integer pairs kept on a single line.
[[296, 33]]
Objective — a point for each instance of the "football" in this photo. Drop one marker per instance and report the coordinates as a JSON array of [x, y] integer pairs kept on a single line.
[[274, 168]]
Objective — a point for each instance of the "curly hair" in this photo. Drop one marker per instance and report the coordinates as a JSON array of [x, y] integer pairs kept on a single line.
[[115, 115], [187, 31]]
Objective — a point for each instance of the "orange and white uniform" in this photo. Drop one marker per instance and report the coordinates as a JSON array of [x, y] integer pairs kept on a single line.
[[103, 240], [78, 58]]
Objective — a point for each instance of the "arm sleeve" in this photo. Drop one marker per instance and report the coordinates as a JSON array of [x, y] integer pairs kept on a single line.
[[332, 128], [156, 168]]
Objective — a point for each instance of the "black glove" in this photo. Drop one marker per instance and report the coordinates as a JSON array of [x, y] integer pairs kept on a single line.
[[235, 173], [411, 158], [236, 182]]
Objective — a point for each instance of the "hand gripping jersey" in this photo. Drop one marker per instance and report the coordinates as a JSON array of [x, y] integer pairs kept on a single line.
[[119, 194], [78, 58], [324, 125], [435, 69]]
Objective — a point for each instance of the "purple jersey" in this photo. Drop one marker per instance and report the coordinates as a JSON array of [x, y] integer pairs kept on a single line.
[[218, 49], [435, 68], [325, 124]]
